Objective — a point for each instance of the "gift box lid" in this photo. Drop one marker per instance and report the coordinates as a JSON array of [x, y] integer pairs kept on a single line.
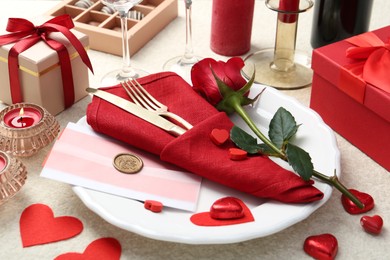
[[331, 63], [40, 58]]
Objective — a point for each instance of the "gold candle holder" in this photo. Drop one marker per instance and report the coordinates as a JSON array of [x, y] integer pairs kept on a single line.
[[13, 175], [26, 128]]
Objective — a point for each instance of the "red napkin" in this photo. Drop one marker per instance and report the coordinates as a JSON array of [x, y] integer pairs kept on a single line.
[[194, 150]]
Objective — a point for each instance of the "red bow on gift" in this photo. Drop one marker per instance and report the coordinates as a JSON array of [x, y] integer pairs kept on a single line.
[[26, 34], [376, 54]]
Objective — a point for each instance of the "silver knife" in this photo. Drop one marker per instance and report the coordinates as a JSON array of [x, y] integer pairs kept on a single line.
[[138, 111]]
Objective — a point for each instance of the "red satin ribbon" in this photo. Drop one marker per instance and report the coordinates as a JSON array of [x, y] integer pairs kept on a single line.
[[26, 34], [373, 61]]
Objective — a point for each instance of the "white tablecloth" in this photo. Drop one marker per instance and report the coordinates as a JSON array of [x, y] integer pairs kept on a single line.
[[358, 170]]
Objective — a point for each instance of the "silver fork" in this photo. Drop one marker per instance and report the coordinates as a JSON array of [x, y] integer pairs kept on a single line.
[[143, 98]]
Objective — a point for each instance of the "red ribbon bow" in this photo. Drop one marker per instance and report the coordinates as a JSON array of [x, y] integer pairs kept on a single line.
[[26, 34], [376, 53]]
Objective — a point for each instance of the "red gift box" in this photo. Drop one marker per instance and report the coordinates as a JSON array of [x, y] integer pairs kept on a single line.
[[352, 94]]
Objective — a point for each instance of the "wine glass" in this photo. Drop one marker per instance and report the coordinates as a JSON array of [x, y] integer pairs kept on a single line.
[[182, 64], [127, 71]]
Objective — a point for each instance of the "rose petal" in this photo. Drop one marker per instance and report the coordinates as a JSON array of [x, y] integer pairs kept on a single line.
[[204, 82], [233, 72]]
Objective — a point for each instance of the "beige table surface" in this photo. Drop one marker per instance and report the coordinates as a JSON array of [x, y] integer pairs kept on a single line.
[[358, 170]]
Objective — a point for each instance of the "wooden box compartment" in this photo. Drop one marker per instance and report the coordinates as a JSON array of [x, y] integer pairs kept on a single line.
[[104, 30]]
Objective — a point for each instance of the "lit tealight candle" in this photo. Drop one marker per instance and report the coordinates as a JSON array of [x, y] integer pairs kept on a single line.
[[22, 117], [25, 128]]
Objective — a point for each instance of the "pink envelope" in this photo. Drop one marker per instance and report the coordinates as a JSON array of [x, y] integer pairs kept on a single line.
[[84, 158]]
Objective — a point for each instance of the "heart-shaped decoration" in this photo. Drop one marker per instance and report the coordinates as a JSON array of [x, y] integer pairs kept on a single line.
[[206, 219], [324, 246], [237, 154], [106, 248], [372, 224], [226, 208], [153, 205], [365, 198], [219, 136], [39, 226]]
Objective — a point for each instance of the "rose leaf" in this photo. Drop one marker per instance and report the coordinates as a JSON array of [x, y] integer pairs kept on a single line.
[[244, 140], [282, 127], [300, 160]]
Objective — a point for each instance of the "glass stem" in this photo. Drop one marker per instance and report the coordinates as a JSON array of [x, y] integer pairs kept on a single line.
[[189, 52], [126, 67]]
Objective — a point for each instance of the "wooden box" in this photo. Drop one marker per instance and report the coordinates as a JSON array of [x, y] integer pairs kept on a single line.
[[104, 30]]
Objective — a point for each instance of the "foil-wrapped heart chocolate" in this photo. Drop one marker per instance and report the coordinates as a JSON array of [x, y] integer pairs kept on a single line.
[[365, 198], [324, 246], [226, 208], [372, 224], [224, 211]]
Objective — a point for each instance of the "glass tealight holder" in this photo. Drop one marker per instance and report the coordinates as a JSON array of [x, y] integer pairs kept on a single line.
[[13, 175], [26, 128]]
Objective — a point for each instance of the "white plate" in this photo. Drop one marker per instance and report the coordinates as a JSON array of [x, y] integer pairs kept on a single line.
[[270, 216]]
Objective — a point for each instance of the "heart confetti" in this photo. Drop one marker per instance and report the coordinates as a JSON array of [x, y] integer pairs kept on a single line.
[[365, 198], [372, 224], [323, 247], [237, 154], [103, 249], [219, 136], [39, 226], [224, 211], [153, 205]]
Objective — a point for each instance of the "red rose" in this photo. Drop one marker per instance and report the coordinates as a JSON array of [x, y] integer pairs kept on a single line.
[[229, 72], [223, 86]]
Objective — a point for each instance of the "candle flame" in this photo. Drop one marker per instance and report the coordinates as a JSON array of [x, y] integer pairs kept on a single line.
[[21, 112]]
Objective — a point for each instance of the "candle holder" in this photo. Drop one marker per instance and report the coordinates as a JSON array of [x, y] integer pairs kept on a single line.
[[283, 67], [13, 175], [25, 135]]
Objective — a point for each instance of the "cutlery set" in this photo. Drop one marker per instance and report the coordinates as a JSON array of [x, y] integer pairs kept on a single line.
[[144, 106]]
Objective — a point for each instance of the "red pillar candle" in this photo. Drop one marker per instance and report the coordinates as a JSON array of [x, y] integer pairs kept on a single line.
[[22, 117], [231, 26], [288, 6]]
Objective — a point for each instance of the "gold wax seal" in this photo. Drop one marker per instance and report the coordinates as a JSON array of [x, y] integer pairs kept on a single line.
[[128, 163]]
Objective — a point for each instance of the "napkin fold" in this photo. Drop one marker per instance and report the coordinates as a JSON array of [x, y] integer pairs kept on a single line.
[[194, 150]]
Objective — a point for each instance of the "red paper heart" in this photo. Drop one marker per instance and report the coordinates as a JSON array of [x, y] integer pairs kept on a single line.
[[219, 136], [324, 246], [365, 198], [39, 226], [372, 224], [205, 219], [226, 208], [106, 248]]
